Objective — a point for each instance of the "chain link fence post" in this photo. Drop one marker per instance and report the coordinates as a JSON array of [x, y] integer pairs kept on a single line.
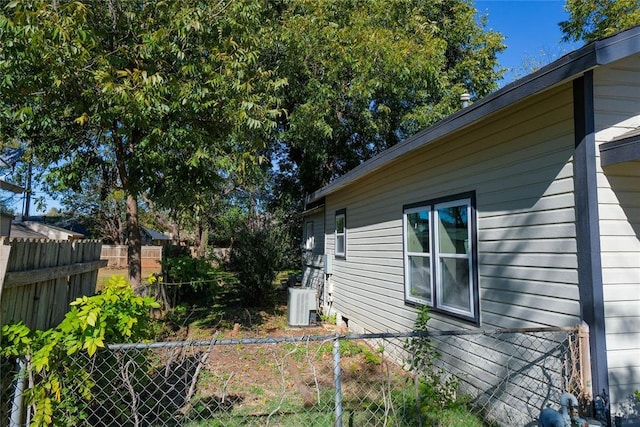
[[337, 381], [17, 404]]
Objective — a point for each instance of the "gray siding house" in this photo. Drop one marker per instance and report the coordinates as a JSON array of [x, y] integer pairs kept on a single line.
[[521, 210]]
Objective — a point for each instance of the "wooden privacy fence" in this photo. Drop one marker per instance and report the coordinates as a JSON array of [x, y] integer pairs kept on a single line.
[[39, 278], [116, 256]]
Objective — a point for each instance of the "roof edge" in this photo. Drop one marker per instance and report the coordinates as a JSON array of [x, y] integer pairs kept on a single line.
[[5, 185], [564, 69]]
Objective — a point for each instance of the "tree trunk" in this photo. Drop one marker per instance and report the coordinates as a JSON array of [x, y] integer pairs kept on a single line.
[[132, 224], [204, 240], [134, 244]]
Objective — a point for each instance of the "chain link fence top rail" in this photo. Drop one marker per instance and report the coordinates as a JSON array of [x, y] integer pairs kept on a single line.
[[358, 380]]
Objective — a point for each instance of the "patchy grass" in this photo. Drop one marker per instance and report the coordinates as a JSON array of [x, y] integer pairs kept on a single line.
[[291, 384]]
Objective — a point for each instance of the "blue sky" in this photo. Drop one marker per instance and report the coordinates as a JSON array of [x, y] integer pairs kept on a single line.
[[531, 30]]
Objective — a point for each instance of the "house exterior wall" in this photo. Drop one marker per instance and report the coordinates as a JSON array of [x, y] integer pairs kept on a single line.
[[522, 176], [617, 111], [313, 250], [52, 232], [519, 164]]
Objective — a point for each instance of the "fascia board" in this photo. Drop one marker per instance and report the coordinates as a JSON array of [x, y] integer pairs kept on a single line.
[[567, 68]]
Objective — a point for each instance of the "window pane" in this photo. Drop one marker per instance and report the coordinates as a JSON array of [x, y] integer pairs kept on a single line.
[[340, 244], [340, 224], [418, 232], [420, 277], [310, 241], [453, 226], [454, 273]]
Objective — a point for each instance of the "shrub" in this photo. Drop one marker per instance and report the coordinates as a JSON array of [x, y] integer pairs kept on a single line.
[[259, 251], [199, 280], [62, 387], [436, 390]]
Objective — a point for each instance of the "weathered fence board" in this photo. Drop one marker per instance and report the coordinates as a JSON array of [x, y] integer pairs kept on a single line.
[[116, 256], [41, 277], [20, 278]]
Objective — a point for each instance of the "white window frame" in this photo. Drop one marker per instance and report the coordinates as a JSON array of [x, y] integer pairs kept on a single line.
[[309, 243], [409, 296], [436, 301], [342, 213]]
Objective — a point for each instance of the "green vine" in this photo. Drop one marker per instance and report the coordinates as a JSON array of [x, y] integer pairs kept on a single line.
[[435, 389], [61, 387]]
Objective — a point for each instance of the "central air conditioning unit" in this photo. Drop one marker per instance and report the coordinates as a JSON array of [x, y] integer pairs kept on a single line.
[[301, 310]]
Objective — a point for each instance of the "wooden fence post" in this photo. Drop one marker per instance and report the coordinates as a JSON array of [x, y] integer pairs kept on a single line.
[[586, 383], [5, 249]]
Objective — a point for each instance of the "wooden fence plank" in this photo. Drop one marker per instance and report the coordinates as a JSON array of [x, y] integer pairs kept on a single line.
[[48, 259], [88, 281], [59, 304], [75, 284], [42, 276], [21, 278]]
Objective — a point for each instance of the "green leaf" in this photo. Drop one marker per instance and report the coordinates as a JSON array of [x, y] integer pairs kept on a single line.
[[92, 317]]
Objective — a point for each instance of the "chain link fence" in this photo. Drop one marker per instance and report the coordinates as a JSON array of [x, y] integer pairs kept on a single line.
[[505, 378]]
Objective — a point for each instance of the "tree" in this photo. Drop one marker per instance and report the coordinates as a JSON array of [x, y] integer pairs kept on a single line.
[[532, 63], [261, 248], [99, 208], [218, 183], [591, 20], [366, 74], [116, 86]]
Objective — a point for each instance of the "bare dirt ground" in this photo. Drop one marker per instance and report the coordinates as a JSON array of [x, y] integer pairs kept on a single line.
[[249, 381], [256, 378]]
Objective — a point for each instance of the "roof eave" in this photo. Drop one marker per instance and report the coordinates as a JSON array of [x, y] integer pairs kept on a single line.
[[4, 185], [564, 69]]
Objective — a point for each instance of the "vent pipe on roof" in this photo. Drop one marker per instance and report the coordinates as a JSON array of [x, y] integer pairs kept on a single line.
[[464, 98]]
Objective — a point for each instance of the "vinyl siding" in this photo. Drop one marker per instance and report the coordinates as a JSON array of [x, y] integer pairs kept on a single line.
[[312, 262], [617, 105], [519, 164], [617, 93], [522, 176]]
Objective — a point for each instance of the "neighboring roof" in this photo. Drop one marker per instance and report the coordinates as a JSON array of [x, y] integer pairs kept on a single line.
[[21, 231], [567, 68], [62, 221], [48, 231], [154, 234]]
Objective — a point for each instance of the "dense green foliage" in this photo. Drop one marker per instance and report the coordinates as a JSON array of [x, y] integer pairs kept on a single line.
[[174, 107], [62, 386], [365, 74], [590, 20], [260, 250], [145, 94], [196, 280]]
